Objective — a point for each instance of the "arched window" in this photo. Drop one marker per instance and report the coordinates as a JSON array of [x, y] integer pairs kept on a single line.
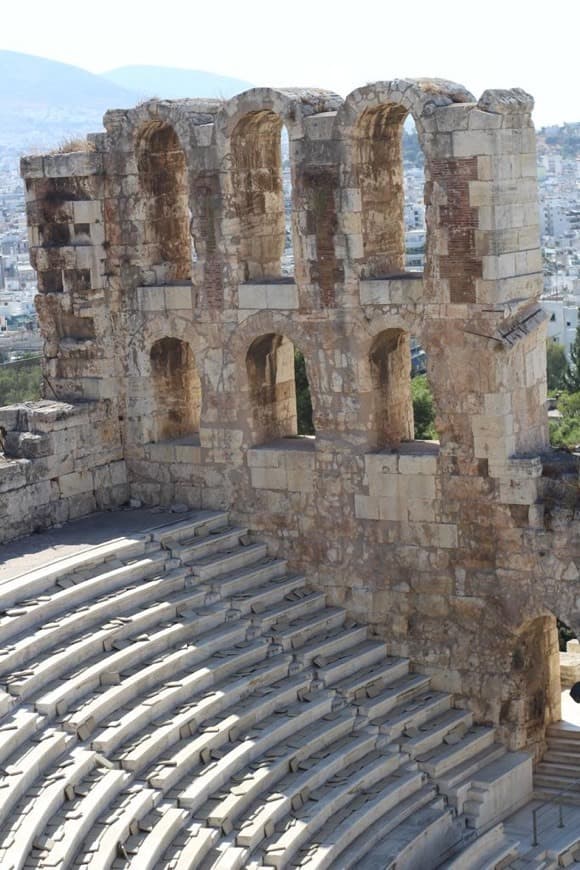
[[390, 364], [176, 390], [262, 193], [393, 226], [279, 390], [163, 178]]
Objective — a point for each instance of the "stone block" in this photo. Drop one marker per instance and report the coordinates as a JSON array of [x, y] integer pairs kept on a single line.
[[367, 507], [269, 478]]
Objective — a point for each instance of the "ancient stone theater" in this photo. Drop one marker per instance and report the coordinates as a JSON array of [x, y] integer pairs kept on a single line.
[[232, 645]]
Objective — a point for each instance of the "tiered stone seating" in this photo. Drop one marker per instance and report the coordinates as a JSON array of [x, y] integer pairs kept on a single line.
[[182, 701]]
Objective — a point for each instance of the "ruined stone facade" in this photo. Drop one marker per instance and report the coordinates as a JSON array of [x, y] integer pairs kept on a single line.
[[169, 340]]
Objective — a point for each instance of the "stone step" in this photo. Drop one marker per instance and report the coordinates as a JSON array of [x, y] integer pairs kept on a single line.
[[371, 682], [349, 846], [498, 789], [266, 597], [486, 852], [182, 686], [556, 782], [563, 730], [118, 603], [218, 541], [298, 632], [292, 607], [418, 832], [106, 669], [565, 771], [366, 809], [62, 601], [553, 756], [192, 752], [319, 738], [413, 713], [196, 525], [170, 821], [197, 842], [239, 582], [432, 732], [186, 722], [125, 687], [295, 788], [106, 841], [93, 559], [33, 814], [40, 674], [27, 764], [16, 729], [445, 757], [329, 643], [227, 562], [456, 782], [264, 735], [353, 804], [76, 825], [358, 654], [393, 695], [564, 744]]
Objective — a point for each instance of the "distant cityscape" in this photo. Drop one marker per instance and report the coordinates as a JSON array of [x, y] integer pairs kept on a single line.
[[559, 194]]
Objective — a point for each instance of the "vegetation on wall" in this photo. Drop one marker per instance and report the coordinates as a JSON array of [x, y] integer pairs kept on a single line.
[[20, 382], [423, 408]]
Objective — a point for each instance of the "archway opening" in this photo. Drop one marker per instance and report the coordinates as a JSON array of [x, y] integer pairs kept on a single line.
[[390, 366], [280, 399], [390, 170], [569, 646], [163, 178], [535, 671], [176, 390], [262, 184]]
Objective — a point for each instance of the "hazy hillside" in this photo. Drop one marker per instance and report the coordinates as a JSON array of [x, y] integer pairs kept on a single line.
[[42, 101], [173, 83]]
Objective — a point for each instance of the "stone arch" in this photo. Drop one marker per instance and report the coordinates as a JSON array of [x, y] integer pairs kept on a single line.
[[248, 134], [271, 373], [535, 670], [163, 179], [176, 388], [390, 370], [370, 125]]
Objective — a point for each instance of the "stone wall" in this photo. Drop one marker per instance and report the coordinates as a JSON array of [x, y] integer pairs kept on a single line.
[[437, 544]]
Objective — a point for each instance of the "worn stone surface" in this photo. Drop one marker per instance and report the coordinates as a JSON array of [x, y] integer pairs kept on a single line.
[[169, 332]]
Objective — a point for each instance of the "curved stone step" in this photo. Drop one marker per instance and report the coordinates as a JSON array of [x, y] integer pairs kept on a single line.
[[244, 580], [33, 814], [217, 541], [183, 686], [120, 602], [354, 837], [355, 800], [70, 828], [140, 648], [212, 567], [212, 737], [58, 600], [294, 789], [264, 735], [319, 738], [185, 721]]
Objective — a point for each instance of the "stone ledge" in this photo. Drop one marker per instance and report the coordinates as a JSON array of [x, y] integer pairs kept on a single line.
[[273, 296], [397, 289]]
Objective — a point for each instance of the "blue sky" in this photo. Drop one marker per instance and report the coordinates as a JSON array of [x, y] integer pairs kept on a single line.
[[338, 45]]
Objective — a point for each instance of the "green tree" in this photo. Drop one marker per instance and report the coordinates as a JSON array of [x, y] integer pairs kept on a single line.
[[20, 382], [572, 377], [423, 408], [557, 366], [565, 432], [303, 399]]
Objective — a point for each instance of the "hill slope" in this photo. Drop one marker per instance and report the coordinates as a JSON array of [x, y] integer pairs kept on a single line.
[[173, 83]]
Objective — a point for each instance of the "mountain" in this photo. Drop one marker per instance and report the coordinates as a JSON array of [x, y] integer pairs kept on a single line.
[[43, 101], [173, 83]]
